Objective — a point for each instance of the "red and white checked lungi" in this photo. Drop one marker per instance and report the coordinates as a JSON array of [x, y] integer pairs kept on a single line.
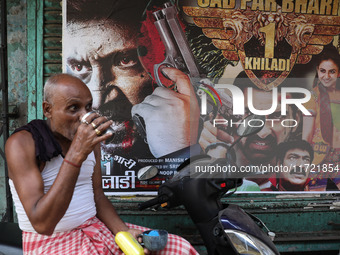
[[91, 238]]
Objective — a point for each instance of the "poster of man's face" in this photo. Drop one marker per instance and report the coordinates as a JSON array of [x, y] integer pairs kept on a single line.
[[100, 47]]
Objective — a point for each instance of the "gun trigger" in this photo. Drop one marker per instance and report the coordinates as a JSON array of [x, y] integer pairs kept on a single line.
[[164, 74]]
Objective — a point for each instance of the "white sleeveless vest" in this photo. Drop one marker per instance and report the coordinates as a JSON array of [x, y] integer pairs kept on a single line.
[[82, 206]]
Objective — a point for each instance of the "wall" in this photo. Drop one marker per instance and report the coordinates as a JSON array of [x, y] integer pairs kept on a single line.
[[17, 74]]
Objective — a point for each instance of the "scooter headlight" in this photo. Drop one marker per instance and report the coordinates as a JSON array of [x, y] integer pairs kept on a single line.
[[247, 244]]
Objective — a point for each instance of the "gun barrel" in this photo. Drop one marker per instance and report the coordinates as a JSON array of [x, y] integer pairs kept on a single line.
[[171, 14], [158, 15], [178, 52]]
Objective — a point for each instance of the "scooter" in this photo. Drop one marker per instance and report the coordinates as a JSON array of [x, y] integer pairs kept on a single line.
[[225, 229]]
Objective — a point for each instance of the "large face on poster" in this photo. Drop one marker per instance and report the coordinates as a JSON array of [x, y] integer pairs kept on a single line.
[[100, 47], [277, 60]]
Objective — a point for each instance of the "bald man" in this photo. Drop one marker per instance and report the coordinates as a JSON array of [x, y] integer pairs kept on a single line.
[[55, 178]]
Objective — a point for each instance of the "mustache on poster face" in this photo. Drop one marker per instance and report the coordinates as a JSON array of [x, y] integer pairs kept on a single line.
[[118, 108]]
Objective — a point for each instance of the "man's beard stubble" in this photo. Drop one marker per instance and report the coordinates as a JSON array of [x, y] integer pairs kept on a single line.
[[119, 111], [258, 150]]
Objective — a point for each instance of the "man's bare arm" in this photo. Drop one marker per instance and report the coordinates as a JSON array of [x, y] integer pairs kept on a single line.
[[43, 210], [105, 210], [46, 210]]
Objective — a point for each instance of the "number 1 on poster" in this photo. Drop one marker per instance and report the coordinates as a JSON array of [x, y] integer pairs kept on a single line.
[[269, 30]]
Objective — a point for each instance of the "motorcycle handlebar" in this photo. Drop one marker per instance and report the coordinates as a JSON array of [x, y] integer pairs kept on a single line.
[[149, 203]]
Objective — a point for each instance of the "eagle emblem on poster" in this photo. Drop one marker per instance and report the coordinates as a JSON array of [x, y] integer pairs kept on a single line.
[[267, 38]]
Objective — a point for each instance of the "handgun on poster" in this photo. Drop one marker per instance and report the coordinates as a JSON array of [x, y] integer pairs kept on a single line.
[[177, 50], [178, 54]]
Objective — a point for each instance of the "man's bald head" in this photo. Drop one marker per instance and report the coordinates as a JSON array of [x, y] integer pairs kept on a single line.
[[59, 79]]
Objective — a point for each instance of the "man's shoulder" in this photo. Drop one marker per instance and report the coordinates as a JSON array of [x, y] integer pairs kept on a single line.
[[20, 149], [39, 138], [23, 135], [19, 140]]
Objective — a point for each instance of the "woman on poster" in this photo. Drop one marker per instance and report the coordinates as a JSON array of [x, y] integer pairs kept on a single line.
[[322, 128]]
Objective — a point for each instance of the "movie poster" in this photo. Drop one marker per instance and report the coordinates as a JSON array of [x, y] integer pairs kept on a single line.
[[100, 47], [270, 66]]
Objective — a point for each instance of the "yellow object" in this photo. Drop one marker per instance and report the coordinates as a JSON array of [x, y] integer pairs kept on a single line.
[[128, 244]]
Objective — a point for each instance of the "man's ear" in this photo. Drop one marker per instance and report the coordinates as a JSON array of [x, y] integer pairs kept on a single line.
[[47, 108]]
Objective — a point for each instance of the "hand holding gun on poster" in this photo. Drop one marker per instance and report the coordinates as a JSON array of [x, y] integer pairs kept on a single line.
[[179, 55], [167, 119]]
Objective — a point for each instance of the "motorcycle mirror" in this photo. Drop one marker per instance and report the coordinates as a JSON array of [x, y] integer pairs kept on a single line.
[[147, 172], [252, 125]]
